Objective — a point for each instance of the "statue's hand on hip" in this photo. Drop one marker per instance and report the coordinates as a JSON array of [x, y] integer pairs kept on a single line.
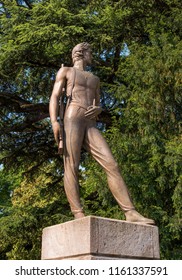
[[93, 111]]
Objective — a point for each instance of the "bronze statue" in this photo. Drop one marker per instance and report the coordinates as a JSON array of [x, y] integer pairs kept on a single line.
[[82, 109]]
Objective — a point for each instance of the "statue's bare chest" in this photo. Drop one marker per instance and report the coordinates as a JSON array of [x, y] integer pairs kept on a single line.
[[86, 79]]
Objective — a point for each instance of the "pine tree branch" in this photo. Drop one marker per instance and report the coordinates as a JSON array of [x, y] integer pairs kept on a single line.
[[29, 124], [19, 105], [11, 99]]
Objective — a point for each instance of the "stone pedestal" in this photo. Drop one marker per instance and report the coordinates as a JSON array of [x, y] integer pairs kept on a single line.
[[96, 238]]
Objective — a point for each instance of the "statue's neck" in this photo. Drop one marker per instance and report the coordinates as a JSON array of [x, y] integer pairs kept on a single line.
[[80, 65]]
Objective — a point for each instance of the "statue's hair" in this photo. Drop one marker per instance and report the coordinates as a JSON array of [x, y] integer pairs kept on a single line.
[[78, 51]]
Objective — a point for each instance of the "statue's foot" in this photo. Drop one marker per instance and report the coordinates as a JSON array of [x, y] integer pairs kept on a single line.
[[79, 215], [134, 217]]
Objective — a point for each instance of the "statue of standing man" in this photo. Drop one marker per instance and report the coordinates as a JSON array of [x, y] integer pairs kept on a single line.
[[82, 109]]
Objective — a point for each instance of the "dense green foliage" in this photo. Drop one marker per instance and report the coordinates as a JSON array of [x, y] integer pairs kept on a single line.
[[137, 55]]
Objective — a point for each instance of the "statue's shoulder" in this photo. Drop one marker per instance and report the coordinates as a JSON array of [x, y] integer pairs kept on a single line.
[[64, 72], [65, 69]]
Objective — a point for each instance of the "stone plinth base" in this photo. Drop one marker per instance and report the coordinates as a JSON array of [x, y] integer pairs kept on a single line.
[[96, 238]]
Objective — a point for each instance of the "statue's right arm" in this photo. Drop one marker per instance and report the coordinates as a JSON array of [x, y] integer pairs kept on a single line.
[[54, 101]]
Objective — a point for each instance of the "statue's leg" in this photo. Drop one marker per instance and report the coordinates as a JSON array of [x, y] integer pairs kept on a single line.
[[98, 147], [73, 139]]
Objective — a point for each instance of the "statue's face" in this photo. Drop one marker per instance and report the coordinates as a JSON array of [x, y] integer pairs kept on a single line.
[[88, 56]]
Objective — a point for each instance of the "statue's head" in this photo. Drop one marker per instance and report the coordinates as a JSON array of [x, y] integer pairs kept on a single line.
[[80, 50]]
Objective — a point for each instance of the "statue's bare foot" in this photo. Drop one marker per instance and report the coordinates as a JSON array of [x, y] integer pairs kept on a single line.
[[79, 215], [134, 217]]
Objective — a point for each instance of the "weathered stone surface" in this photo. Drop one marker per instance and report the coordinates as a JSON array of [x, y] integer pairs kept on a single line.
[[100, 238]]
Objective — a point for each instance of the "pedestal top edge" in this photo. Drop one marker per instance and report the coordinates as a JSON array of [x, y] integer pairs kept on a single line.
[[92, 217]]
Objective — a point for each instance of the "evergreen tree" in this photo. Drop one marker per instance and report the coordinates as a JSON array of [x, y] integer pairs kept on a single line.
[[137, 53]]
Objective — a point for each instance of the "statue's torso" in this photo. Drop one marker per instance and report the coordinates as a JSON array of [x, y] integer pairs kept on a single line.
[[84, 90]]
